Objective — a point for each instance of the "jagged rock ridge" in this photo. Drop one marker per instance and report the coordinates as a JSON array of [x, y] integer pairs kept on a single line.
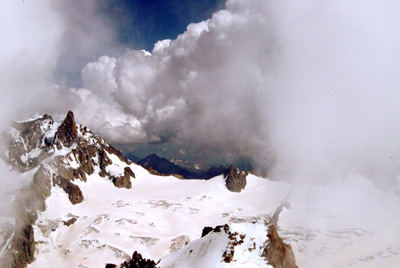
[[74, 151], [61, 153]]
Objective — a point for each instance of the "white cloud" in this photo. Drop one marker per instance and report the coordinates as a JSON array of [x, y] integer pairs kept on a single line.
[[46, 42], [29, 50], [310, 88], [99, 76]]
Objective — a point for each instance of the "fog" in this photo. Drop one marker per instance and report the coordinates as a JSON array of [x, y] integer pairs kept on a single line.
[[309, 91], [41, 44]]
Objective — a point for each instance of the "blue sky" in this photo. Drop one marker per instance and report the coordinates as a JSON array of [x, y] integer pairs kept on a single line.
[[141, 23]]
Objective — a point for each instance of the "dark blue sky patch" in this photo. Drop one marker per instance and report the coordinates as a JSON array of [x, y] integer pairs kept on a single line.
[[141, 23]]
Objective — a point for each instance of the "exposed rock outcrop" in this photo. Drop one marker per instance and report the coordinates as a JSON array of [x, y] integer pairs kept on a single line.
[[104, 161], [235, 179], [73, 191], [278, 254], [25, 207], [39, 189], [206, 231], [124, 181], [70, 222], [67, 133], [24, 246], [137, 261], [27, 145]]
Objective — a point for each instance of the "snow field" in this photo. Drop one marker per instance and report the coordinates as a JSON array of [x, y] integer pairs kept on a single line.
[[346, 224]]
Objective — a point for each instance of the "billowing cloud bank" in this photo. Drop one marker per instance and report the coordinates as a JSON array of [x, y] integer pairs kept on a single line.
[[310, 89], [307, 90], [42, 41]]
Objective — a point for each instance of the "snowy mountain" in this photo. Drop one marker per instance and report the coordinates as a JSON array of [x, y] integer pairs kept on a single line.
[[55, 155], [86, 205]]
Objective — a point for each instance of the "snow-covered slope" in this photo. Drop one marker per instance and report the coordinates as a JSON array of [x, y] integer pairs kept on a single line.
[[156, 217], [230, 245], [53, 155], [350, 223], [347, 224], [84, 212]]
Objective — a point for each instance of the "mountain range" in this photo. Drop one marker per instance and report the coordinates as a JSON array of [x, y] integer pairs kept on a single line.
[[162, 166], [84, 204]]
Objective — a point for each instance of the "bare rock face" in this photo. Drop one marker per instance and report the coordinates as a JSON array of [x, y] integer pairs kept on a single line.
[[28, 146], [235, 179], [67, 133], [206, 231], [26, 205], [278, 254], [70, 222], [104, 161], [74, 192], [84, 156], [124, 181], [23, 248], [39, 189], [137, 261], [25, 244]]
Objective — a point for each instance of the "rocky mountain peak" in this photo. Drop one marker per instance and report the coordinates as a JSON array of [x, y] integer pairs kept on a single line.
[[73, 152], [67, 133], [62, 153], [235, 179]]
